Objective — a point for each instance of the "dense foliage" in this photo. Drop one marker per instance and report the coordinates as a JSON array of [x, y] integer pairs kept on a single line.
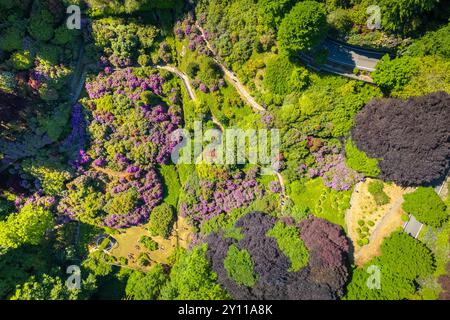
[[145, 286], [303, 28], [161, 220], [376, 189], [322, 278], [86, 177], [403, 260], [405, 133], [359, 161], [426, 206], [191, 278]]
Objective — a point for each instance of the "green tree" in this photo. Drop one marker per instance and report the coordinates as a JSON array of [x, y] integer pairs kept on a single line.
[[376, 189], [303, 28], [359, 161], [272, 12], [426, 206], [432, 43], [41, 25], [191, 278], [48, 288], [290, 244], [279, 73], [123, 203], [11, 38], [161, 220], [394, 74], [26, 227], [403, 260], [192, 69], [64, 35], [404, 15], [239, 266], [146, 286]]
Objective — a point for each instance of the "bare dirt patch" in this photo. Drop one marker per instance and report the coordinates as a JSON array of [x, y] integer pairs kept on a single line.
[[379, 221]]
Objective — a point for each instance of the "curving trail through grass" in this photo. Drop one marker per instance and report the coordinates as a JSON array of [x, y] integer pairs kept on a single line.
[[231, 76]]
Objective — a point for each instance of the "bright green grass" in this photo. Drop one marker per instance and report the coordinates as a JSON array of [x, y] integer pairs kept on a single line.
[[319, 200], [290, 244], [171, 184]]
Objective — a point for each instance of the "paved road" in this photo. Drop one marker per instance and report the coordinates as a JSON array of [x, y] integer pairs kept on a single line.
[[351, 56], [413, 227], [343, 58]]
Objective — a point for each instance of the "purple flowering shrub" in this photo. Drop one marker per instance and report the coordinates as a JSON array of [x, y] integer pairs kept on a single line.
[[100, 198], [123, 81], [274, 186], [205, 199], [126, 132], [330, 165]]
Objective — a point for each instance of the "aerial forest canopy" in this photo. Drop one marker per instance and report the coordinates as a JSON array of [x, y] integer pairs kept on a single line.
[[354, 96], [410, 136]]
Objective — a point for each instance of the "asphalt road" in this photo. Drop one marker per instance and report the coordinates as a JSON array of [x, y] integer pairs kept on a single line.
[[351, 56], [412, 227]]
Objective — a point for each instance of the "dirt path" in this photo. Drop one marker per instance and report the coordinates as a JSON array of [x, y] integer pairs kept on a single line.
[[112, 173], [388, 224], [217, 122], [386, 218], [231, 77], [283, 195], [183, 77]]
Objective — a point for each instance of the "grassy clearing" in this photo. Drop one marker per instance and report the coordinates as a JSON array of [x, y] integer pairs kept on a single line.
[[319, 200], [130, 248]]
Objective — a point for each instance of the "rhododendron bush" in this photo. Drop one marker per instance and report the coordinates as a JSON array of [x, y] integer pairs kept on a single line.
[[123, 132], [205, 199]]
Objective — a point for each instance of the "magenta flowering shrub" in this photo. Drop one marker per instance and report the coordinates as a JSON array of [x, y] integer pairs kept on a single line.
[[126, 132], [206, 199], [203, 88], [130, 122], [75, 142], [148, 187], [330, 165], [274, 186], [187, 29], [99, 197], [124, 81]]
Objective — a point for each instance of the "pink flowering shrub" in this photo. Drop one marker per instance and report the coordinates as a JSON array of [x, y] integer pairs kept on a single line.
[[206, 199], [330, 165]]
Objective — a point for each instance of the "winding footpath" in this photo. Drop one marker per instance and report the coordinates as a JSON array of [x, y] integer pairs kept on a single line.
[[231, 76], [183, 77], [192, 96]]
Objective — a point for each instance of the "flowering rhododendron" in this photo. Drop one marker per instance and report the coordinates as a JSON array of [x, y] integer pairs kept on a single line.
[[333, 170], [221, 196]]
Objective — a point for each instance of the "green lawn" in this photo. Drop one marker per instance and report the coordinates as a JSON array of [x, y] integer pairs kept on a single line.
[[319, 200]]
